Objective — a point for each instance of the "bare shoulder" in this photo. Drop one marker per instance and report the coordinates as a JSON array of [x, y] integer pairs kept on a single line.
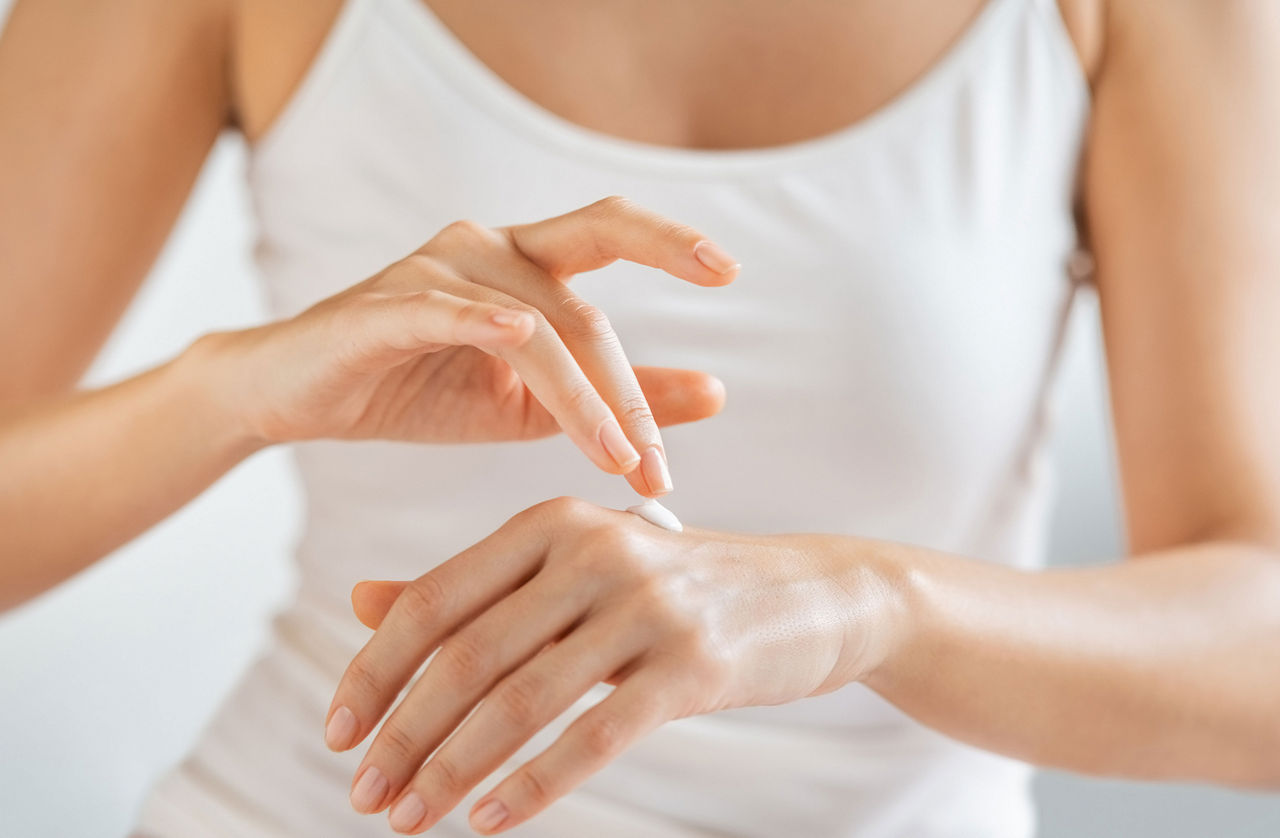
[[1180, 186], [108, 109], [1086, 23], [117, 38], [273, 45]]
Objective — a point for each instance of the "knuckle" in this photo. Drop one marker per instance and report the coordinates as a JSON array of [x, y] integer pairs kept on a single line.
[[362, 678], [582, 398], [397, 742], [412, 270], [422, 601], [567, 508], [678, 232], [468, 313], [443, 774], [584, 321], [520, 700], [634, 410], [534, 786], [464, 231], [563, 518], [465, 661], [612, 205], [603, 734], [426, 297]]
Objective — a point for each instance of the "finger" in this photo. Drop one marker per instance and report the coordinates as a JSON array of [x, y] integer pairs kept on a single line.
[[390, 328], [371, 600], [468, 664], [641, 703], [540, 358], [562, 385], [678, 396], [427, 610], [585, 332], [517, 708], [615, 228]]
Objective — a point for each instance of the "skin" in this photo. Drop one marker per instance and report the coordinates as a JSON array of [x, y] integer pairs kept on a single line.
[[1163, 666]]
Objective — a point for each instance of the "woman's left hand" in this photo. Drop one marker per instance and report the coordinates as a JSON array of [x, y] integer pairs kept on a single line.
[[566, 595]]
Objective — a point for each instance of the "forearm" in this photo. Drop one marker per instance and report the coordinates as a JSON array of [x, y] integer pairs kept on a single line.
[[1166, 666], [83, 474]]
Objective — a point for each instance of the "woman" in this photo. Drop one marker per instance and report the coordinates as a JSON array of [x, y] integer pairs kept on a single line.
[[901, 182]]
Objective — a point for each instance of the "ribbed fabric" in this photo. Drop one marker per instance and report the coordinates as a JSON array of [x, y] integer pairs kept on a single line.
[[889, 351]]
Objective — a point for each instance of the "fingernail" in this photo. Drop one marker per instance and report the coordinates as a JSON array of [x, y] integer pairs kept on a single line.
[[340, 732], [616, 443], [369, 790], [489, 816], [714, 257], [507, 318], [653, 467], [407, 813]]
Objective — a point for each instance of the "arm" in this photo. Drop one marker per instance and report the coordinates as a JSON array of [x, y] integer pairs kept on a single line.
[[1168, 665], [1163, 666], [107, 112]]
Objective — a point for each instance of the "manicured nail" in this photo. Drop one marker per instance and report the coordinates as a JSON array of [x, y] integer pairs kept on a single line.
[[369, 790], [489, 816], [507, 318], [407, 813], [713, 256], [616, 443], [340, 732], [653, 467]]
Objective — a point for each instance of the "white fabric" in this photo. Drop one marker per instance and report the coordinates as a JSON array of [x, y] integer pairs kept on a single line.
[[888, 351]]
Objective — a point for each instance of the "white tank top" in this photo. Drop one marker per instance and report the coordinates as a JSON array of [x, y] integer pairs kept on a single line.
[[888, 351]]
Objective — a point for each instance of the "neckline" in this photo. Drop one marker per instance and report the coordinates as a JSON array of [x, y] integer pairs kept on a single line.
[[490, 92]]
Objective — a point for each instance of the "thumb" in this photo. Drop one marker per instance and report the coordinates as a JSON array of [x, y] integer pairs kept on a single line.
[[372, 600]]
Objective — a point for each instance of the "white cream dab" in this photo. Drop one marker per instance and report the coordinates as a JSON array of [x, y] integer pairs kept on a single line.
[[658, 515]]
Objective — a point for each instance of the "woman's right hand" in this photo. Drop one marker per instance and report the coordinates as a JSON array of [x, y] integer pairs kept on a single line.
[[476, 337]]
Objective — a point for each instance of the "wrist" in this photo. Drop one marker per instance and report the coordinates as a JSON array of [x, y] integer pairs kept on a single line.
[[875, 581], [211, 378]]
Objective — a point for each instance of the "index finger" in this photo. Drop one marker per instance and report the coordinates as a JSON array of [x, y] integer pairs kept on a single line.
[[426, 611], [615, 228]]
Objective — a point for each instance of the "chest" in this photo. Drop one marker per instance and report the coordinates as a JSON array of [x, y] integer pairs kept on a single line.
[[711, 74]]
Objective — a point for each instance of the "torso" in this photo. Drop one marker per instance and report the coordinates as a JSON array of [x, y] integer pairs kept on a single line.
[[718, 74], [903, 299]]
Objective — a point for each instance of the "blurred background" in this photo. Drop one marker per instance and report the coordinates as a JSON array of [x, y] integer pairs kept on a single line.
[[106, 681]]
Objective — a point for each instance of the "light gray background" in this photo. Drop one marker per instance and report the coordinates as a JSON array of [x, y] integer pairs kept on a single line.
[[107, 680]]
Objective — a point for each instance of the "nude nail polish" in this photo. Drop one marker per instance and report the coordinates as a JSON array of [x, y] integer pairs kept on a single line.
[[615, 442], [407, 813], [653, 467], [489, 816], [714, 257], [369, 790], [340, 732]]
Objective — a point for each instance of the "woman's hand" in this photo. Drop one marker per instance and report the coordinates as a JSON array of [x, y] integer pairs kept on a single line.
[[567, 595], [477, 337]]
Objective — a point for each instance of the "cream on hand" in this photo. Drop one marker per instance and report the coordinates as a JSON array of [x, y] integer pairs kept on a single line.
[[658, 515]]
